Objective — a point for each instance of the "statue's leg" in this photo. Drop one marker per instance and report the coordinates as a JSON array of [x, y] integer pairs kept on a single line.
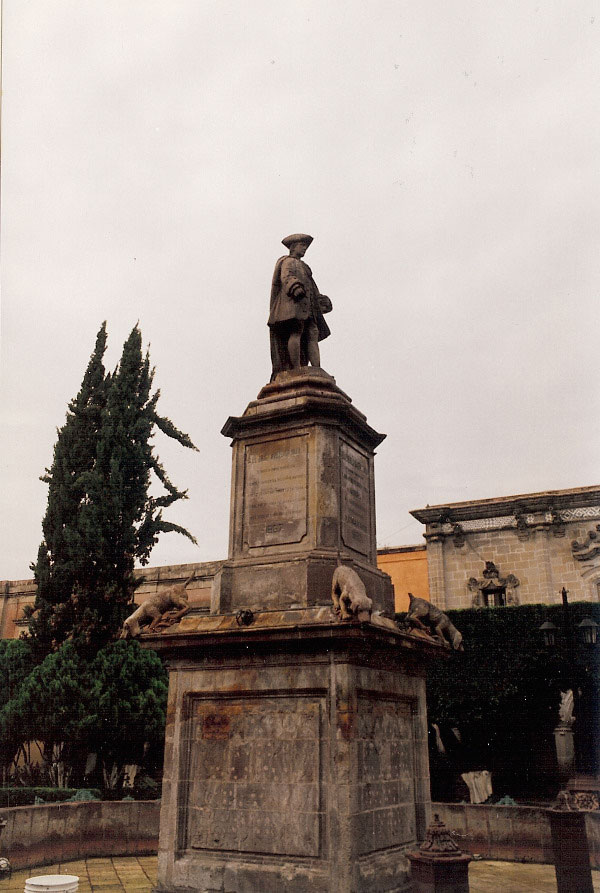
[[294, 343], [312, 343], [276, 362]]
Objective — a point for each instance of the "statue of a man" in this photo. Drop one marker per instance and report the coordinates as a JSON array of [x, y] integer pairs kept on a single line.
[[296, 315]]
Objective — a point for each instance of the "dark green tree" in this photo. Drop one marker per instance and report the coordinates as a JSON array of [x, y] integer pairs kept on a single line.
[[128, 700], [503, 693], [16, 662], [49, 707], [102, 517], [63, 560], [121, 520]]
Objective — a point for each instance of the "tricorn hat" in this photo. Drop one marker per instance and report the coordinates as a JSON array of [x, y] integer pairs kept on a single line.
[[296, 237]]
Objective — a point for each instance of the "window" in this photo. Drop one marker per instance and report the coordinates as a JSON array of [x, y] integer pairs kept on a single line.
[[494, 597]]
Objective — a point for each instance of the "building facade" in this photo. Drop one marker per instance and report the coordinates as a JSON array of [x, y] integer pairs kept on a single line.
[[514, 550]]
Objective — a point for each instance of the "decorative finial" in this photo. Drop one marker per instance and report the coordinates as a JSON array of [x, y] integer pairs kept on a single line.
[[438, 840]]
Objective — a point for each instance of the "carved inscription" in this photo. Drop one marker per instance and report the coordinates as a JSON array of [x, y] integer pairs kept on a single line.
[[356, 504], [275, 493], [385, 775], [257, 788]]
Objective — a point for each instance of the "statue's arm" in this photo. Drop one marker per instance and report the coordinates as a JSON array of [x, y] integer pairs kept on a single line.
[[291, 278]]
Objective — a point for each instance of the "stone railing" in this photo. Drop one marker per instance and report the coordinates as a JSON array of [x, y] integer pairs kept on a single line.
[[514, 833], [58, 832]]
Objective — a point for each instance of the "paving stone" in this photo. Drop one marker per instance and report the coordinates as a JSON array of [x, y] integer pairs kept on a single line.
[[484, 877]]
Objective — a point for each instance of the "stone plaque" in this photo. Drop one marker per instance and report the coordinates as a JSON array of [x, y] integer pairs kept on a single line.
[[276, 492], [386, 774], [356, 503], [254, 787]]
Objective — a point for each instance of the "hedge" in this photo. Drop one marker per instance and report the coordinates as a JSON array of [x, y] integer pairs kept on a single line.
[[502, 694]]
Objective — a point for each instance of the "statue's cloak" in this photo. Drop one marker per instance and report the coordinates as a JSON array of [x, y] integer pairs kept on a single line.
[[290, 272]]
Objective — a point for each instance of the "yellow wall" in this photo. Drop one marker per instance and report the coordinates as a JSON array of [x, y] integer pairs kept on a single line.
[[407, 566]]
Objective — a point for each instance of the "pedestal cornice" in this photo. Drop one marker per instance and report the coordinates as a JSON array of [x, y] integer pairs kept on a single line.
[[308, 397], [310, 628]]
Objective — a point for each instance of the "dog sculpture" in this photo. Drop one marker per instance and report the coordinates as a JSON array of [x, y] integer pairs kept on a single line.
[[427, 617], [349, 595], [154, 610]]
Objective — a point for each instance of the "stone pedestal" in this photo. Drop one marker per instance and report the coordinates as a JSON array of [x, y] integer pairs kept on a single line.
[[296, 754], [296, 751], [565, 748], [302, 498]]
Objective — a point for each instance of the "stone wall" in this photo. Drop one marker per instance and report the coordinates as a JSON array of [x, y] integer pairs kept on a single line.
[[406, 565], [58, 832], [16, 594], [543, 563], [512, 833], [43, 835]]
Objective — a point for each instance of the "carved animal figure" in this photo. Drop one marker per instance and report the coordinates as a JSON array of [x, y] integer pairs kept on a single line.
[[349, 595], [154, 610], [423, 615]]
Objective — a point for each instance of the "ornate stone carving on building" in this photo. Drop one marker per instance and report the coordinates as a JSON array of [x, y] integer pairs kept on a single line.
[[589, 548], [522, 526], [458, 536], [492, 590], [557, 525]]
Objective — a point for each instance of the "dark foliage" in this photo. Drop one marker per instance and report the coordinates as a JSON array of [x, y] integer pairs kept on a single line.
[[69, 689], [502, 694], [64, 559]]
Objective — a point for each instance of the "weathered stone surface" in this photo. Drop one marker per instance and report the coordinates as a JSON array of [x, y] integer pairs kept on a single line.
[[302, 498], [297, 737], [51, 833], [297, 768], [265, 754]]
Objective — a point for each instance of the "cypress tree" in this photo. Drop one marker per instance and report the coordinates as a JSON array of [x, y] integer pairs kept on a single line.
[[121, 518], [101, 518], [61, 561]]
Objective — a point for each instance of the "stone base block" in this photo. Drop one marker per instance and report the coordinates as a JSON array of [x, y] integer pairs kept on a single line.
[[292, 582], [296, 758]]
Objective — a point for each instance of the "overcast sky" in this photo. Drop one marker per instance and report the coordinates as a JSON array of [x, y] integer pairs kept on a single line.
[[445, 157]]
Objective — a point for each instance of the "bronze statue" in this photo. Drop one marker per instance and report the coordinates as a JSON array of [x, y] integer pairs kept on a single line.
[[296, 321]]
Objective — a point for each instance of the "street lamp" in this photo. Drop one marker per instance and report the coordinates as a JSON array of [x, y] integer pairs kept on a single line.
[[589, 631], [549, 630]]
